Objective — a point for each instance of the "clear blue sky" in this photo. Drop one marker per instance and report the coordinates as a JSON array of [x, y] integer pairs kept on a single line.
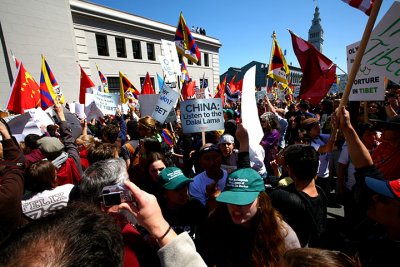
[[244, 27]]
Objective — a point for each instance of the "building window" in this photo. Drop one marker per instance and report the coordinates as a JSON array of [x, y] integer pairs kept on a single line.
[[190, 62], [102, 47], [113, 84], [203, 83], [199, 61], [142, 79], [137, 51], [206, 60], [180, 58], [121, 49], [150, 52]]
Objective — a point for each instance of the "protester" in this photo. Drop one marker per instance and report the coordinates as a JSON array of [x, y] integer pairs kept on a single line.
[[312, 257], [246, 230], [229, 154], [44, 196], [11, 183], [64, 154], [179, 210], [80, 235], [303, 204], [323, 144]]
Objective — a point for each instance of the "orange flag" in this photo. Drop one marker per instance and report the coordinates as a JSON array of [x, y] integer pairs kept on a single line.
[[25, 92], [147, 88]]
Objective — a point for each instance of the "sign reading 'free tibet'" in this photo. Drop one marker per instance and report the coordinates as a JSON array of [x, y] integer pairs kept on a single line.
[[202, 115]]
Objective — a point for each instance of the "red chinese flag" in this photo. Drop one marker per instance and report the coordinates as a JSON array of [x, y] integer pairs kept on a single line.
[[147, 88], [25, 92], [239, 85], [188, 90], [318, 70], [86, 86]]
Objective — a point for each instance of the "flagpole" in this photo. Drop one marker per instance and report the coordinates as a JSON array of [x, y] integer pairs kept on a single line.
[[360, 52], [337, 66]]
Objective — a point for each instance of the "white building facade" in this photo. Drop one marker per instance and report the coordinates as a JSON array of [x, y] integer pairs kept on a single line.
[[76, 32]]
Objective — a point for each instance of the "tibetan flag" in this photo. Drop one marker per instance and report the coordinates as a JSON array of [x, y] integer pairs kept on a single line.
[[16, 61], [363, 5], [167, 137], [147, 88], [127, 90], [318, 70], [85, 87], [188, 90], [278, 68], [232, 96], [184, 41], [48, 83], [185, 73], [103, 80], [25, 92]]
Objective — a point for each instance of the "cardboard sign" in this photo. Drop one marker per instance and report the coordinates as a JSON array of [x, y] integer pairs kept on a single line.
[[166, 102], [202, 115]]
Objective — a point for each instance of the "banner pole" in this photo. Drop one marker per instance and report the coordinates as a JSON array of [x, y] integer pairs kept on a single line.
[[360, 52]]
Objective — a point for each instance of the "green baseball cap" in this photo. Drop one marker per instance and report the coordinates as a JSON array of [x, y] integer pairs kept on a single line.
[[242, 187], [172, 178]]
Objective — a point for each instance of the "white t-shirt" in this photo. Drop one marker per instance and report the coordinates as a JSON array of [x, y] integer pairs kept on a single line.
[[47, 201], [323, 170], [197, 188], [344, 158]]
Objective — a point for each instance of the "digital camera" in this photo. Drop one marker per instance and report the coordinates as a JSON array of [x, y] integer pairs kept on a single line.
[[115, 195]]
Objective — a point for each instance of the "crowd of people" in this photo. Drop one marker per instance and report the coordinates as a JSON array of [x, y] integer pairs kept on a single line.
[[132, 192]]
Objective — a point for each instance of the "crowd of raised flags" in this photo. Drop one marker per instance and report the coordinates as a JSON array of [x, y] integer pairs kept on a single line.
[[319, 73]]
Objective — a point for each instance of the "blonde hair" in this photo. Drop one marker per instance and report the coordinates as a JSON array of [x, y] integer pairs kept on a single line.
[[149, 123]]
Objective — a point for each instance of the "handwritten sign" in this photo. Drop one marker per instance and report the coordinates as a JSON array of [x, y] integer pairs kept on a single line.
[[165, 104], [381, 58], [106, 102], [202, 115]]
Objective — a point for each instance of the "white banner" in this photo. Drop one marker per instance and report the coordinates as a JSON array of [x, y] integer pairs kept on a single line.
[[249, 111], [166, 102], [202, 115]]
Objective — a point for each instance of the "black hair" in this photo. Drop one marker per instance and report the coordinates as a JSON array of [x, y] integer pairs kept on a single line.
[[31, 141], [303, 161], [78, 235]]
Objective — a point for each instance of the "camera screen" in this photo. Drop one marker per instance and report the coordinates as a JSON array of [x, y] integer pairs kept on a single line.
[[112, 199]]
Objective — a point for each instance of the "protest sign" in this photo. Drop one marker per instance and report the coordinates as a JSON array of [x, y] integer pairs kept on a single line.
[[171, 55], [93, 112], [147, 104], [202, 115], [169, 72], [381, 58], [200, 93], [106, 102], [368, 85], [260, 95], [166, 102]]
